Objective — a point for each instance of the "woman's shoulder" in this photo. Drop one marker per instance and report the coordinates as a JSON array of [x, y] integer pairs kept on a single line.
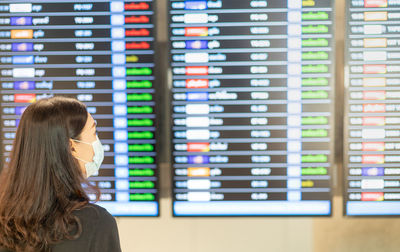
[[92, 208], [99, 232], [93, 212]]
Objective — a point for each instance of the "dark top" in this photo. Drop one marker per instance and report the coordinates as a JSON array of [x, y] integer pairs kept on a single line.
[[99, 232]]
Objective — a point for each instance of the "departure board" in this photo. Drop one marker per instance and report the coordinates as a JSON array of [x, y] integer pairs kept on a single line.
[[252, 89], [372, 158], [101, 53]]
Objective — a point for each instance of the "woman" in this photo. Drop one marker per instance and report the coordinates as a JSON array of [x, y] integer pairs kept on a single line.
[[43, 206]]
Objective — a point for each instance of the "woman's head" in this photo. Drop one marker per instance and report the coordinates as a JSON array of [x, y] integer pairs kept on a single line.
[[42, 183], [46, 130]]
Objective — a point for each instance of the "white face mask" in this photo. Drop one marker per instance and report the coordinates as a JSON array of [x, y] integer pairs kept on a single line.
[[92, 168]]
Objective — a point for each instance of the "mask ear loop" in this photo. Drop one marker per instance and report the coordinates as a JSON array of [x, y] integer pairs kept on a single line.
[[81, 141], [84, 143], [82, 160]]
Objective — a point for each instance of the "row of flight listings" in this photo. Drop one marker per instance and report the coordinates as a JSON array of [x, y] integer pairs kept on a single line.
[[252, 100]]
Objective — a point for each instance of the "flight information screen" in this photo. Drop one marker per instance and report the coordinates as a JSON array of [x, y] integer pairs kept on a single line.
[[252, 107], [372, 158], [101, 53]]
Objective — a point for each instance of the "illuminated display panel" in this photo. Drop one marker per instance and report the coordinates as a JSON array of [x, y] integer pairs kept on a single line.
[[252, 107], [372, 170], [102, 53]]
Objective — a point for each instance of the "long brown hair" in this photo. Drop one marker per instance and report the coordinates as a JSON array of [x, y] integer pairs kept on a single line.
[[42, 183]]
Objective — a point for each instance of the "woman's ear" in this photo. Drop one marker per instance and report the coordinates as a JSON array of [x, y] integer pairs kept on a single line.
[[72, 145]]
